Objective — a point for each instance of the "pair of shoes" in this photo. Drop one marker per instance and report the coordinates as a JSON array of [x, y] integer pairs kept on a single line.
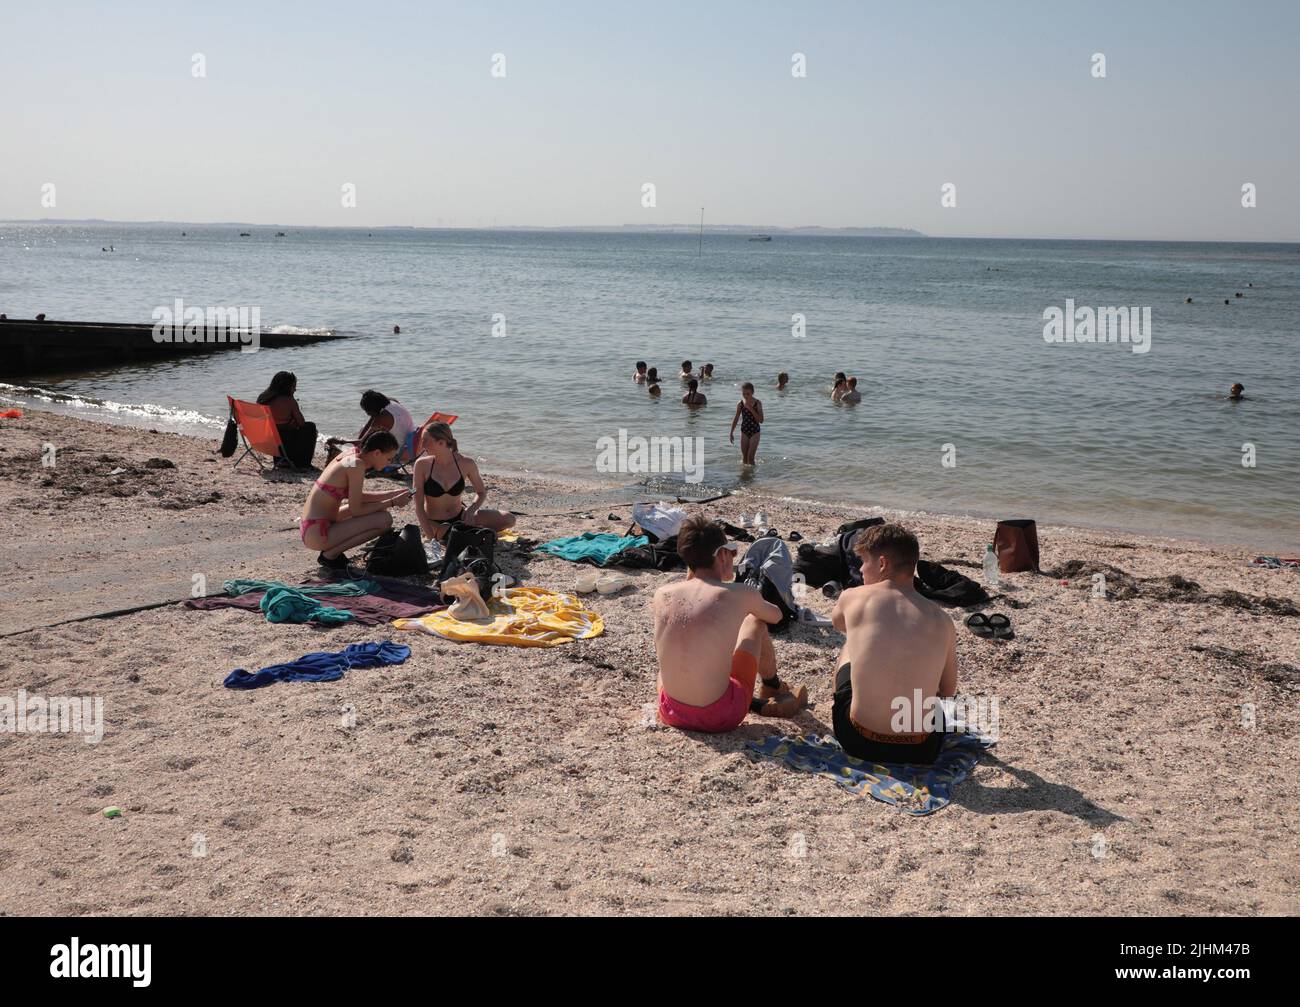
[[990, 627], [780, 701]]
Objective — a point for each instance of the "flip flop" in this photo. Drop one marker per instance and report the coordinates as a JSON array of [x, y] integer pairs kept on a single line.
[[979, 625], [1001, 626]]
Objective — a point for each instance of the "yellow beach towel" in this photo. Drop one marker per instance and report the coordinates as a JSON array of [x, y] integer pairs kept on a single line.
[[521, 617]]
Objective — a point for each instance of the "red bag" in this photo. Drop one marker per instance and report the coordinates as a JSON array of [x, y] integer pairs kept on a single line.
[[1016, 546]]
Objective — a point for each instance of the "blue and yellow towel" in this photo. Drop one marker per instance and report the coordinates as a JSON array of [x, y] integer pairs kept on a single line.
[[918, 790]]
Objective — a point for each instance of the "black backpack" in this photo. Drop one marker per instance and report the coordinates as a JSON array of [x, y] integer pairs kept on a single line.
[[470, 549], [397, 554]]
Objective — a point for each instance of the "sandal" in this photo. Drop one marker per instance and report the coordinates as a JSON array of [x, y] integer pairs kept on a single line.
[[979, 625], [1001, 626]]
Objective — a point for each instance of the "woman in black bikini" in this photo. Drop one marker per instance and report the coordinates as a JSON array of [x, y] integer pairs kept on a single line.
[[439, 480], [749, 414]]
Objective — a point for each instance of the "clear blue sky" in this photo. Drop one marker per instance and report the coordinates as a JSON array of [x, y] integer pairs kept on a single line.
[[697, 98]]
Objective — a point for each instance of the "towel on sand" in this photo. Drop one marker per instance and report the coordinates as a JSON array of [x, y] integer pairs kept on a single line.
[[340, 588], [918, 790], [521, 617], [591, 547], [385, 601], [321, 667]]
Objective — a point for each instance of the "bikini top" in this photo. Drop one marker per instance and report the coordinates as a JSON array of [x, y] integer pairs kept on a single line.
[[337, 492], [433, 488]]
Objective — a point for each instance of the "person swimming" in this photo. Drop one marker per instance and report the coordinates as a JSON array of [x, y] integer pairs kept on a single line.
[[706, 372], [1237, 392], [639, 375], [851, 393], [439, 478], [686, 371], [694, 397], [338, 514], [782, 380], [749, 414]]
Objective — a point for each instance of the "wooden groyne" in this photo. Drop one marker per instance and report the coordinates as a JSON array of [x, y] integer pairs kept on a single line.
[[29, 346]]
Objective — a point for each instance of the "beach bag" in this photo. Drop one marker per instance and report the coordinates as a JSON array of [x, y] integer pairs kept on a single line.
[[230, 441], [848, 534], [470, 549], [398, 554], [1016, 546], [659, 521], [947, 587], [820, 564]]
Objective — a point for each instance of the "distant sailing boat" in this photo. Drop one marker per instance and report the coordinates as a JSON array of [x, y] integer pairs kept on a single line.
[[761, 237]]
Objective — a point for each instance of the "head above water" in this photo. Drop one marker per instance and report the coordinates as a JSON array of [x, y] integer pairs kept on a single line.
[[708, 369], [839, 377], [853, 382], [1235, 392], [783, 379], [640, 366], [373, 403], [702, 544], [747, 388], [693, 385], [653, 374], [889, 552], [284, 383], [686, 367]]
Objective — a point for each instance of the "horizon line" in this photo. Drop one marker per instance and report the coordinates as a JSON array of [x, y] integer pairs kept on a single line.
[[797, 230]]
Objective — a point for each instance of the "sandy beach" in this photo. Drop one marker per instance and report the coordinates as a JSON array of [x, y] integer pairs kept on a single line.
[[500, 781]]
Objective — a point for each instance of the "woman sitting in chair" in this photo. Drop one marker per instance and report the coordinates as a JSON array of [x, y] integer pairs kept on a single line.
[[339, 514], [296, 434], [439, 479]]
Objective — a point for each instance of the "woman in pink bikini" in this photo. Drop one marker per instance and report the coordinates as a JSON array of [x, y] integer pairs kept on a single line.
[[339, 514]]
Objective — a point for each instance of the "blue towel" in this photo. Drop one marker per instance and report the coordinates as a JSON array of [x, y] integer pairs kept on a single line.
[[591, 547], [918, 790], [321, 667]]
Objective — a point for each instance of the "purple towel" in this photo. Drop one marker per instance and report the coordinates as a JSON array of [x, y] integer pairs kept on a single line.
[[395, 599]]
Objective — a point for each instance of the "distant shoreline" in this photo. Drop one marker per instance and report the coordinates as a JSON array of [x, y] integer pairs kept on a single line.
[[716, 230]]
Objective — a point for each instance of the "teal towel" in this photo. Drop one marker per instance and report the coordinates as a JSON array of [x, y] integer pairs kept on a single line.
[[918, 790], [591, 547], [289, 604]]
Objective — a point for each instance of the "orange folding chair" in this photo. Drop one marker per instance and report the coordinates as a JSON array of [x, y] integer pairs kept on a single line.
[[257, 429]]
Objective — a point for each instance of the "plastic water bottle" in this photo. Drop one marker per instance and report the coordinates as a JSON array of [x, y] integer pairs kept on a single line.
[[990, 567]]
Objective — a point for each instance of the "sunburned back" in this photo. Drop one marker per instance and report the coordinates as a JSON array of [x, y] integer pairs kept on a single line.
[[696, 625], [897, 642]]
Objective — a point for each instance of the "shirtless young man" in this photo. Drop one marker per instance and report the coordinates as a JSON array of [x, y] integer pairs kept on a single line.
[[712, 641], [900, 647]]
